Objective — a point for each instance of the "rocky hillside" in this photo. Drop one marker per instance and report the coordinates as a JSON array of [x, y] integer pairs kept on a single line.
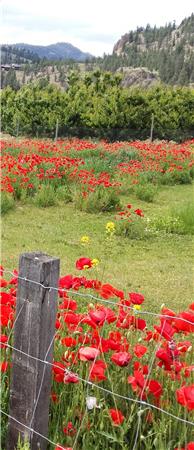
[[168, 50], [139, 77]]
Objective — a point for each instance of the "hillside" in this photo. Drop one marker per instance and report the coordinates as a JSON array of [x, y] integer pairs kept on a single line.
[[58, 51], [138, 76], [145, 57], [168, 50]]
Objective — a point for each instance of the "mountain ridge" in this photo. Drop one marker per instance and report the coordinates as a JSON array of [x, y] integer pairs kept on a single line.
[[57, 51]]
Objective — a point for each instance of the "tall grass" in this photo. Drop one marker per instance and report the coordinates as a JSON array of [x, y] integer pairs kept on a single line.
[[7, 202], [185, 215], [146, 192], [101, 200], [45, 197]]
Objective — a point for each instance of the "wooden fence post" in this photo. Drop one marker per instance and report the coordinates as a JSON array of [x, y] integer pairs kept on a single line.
[[152, 128], [57, 130], [33, 334]]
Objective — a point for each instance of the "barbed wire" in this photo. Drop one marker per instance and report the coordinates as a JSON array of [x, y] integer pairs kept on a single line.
[[100, 387], [157, 346], [91, 296], [142, 403], [31, 429]]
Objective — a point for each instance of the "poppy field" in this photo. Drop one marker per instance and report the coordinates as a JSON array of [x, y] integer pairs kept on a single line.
[[120, 218]]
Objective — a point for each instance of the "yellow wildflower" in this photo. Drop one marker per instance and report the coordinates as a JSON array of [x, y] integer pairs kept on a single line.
[[110, 227], [137, 307], [95, 262], [85, 240]]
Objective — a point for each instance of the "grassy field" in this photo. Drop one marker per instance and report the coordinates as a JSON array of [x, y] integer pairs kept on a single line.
[[160, 267], [53, 195]]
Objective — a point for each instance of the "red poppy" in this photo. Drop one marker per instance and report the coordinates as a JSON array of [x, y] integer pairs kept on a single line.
[[184, 346], [139, 324], [139, 212], [7, 299], [58, 368], [168, 359], [14, 280], [66, 282], [165, 330], [136, 298], [54, 397], [185, 396], [3, 283], [72, 318], [183, 325], [121, 359], [88, 353], [3, 340], [69, 430], [106, 291], [98, 316], [116, 416], [4, 365], [97, 371], [139, 350], [59, 447], [190, 446], [68, 303], [83, 263], [83, 339], [70, 377], [188, 371], [69, 341], [168, 312], [155, 388], [137, 381]]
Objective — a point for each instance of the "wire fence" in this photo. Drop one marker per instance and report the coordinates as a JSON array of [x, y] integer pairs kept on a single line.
[[110, 134], [86, 297]]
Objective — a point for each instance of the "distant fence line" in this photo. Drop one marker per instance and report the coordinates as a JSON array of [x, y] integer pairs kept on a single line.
[[110, 134]]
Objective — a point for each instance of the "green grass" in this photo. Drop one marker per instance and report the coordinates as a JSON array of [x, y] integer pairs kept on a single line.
[[160, 268], [7, 202], [185, 214]]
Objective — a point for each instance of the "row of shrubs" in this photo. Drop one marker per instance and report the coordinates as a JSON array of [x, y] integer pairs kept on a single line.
[[101, 200]]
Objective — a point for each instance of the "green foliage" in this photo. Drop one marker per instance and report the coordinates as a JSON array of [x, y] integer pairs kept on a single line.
[[134, 229], [7, 202], [64, 193], [23, 445], [45, 197], [192, 172], [126, 155], [101, 200], [146, 192], [97, 105], [175, 177], [179, 220], [166, 224], [185, 215]]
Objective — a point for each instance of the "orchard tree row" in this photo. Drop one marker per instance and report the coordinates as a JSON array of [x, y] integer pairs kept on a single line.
[[97, 105]]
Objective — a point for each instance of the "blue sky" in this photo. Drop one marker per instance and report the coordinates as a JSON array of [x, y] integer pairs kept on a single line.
[[92, 25]]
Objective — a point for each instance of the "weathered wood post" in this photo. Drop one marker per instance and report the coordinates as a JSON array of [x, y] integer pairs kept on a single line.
[[33, 334], [17, 128], [57, 130], [152, 128]]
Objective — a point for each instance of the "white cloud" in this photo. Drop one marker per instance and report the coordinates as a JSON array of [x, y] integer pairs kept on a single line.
[[91, 25]]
